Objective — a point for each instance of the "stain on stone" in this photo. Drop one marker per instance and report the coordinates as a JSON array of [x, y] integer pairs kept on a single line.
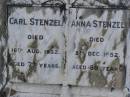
[[32, 9], [112, 3], [77, 10], [118, 75], [64, 60], [112, 89], [15, 71], [5, 92], [29, 9], [115, 63], [104, 62], [63, 63], [80, 17], [55, 9], [103, 1], [11, 63], [54, 45], [21, 76], [11, 10], [114, 46], [123, 35], [53, 2], [109, 16], [104, 31], [2, 64], [3, 25], [12, 92], [96, 77], [17, 74], [83, 47], [34, 44], [32, 67], [99, 13], [86, 13], [62, 8], [79, 77]]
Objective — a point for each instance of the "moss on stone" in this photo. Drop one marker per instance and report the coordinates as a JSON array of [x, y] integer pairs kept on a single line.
[[123, 35], [79, 77], [96, 77], [16, 73], [34, 44], [104, 31], [114, 46], [32, 67], [53, 45], [115, 62], [21, 76], [83, 47], [29, 9], [118, 75]]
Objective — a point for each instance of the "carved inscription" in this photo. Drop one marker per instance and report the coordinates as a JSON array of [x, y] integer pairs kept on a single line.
[[44, 44], [36, 45]]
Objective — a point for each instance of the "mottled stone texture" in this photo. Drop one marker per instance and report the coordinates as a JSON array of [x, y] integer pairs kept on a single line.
[[38, 1], [79, 41], [37, 72], [108, 3], [3, 41], [76, 42]]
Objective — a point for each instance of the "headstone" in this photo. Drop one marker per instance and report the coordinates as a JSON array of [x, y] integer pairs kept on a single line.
[[96, 45], [36, 44], [68, 48]]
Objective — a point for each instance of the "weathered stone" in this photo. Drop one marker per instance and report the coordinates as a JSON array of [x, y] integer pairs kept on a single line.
[[103, 50], [101, 3], [3, 43], [99, 59], [36, 44], [38, 1], [27, 90]]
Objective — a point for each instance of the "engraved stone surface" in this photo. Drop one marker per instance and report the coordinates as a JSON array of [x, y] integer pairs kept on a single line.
[[84, 50], [96, 45], [36, 44], [93, 47]]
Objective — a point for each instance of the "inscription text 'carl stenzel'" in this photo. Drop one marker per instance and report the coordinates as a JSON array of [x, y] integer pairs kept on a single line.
[[97, 23], [35, 22]]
